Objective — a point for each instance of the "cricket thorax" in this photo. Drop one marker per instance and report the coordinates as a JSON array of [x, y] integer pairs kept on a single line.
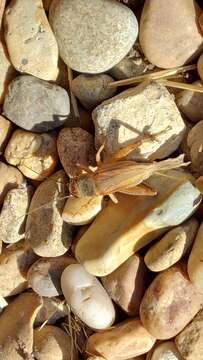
[[83, 186]]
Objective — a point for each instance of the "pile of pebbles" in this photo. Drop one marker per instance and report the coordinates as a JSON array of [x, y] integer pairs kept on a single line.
[[84, 277]]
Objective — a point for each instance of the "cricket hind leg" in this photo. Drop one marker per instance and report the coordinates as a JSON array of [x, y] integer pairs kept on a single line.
[[139, 190]]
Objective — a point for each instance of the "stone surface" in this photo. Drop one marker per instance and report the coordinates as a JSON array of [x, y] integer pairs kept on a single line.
[[191, 103], [45, 107], [52, 237], [30, 41], [5, 132], [35, 155], [135, 112], [164, 351], [7, 71], [91, 90], [10, 178], [81, 45], [195, 264], [169, 34], [122, 229], [195, 145]]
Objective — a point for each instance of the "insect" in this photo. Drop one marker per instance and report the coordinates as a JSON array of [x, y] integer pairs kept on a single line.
[[120, 175]]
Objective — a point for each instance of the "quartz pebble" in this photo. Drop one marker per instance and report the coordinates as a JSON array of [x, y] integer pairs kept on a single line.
[[123, 341], [5, 132], [172, 246], [45, 230], [124, 228], [52, 310], [7, 71], [45, 107], [10, 178], [81, 46], [195, 264], [169, 35], [125, 117], [30, 41], [35, 155], [75, 146], [126, 285], [164, 351], [91, 90], [195, 144], [191, 103], [87, 298]]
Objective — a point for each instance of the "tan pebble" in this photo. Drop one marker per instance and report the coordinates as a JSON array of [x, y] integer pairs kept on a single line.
[[81, 211], [52, 310], [5, 132], [52, 343], [191, 103], [123, 341], [30, 41], [75, 146], [91, 90], [84, 48], [15, 261], [169, 35], [164, 351], [35, 155], [190, 341], [44, 275], [7, 71], [170, 303], [16, 327], [195, 144], [10, 178], [172, 246], [126, 285], [45, 230], [195, 263], [125, 117]]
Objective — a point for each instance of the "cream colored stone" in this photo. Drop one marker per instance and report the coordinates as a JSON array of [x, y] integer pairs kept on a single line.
[[135, 112], [195, 264], [52, 310], [121, 342], [7, 71], [195, 144], [34, 154], [30, 41], [5, 131], [169, 34], [16, 327], [165, 351], [123, 228], [10, 178], [172, 246], [81, 211], [81, 45], [191, 103]]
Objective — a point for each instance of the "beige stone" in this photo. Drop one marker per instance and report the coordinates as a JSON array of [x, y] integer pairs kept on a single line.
[[7, 71], [30, 41], [16, 327], [5, 131], [127, 284], [122, 229], [191, 103], [125, 340], [164, 351], [195, 144], [15, 261], [135, 112], [45, 230], [172, 246], [34, 154], [81, 45], [10, 178], [170, 303], [52, 310], [169, 34], [195, 264]]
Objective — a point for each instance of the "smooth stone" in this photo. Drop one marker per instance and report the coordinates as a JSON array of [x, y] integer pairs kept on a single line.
[[191, 103], [45, 107], [164, 351], [30, 41], [7, 71], [169, 34], [122, 229], [81, 46], [10, 178], [135, 112], [195, 264], [195, 146], [5, 132]]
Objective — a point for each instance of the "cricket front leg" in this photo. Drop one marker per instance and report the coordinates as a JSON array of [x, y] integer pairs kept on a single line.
[[139, 190]]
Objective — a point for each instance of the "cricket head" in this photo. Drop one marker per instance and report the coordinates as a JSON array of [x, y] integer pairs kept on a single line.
[[82, 186]]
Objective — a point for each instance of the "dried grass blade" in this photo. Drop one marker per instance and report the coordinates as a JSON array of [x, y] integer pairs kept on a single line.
[[183, 86]]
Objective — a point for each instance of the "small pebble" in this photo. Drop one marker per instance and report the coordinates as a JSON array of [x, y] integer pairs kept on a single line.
[[195, 264], [191, 103], [164, 351], [5, 132]]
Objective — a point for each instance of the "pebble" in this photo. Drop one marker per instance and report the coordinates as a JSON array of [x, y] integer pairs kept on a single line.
[[165, 351], [5, 132], [195, 144], [91, 90], [190, 341], [117, 239], [195, 264], [16, 326], [200, 67], [172, 246], [191, 103], [30, 41], [45, 274], [7, 71], [52, 237], [169, 34], [75, 146], [81, 46], [34, 154], [45, 107], [124, 340], [170, 303], [87, 298], [13, 214], [125, 117], [10, 178], [127, 284], [52, 343], [81, 211], [52, 310]]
